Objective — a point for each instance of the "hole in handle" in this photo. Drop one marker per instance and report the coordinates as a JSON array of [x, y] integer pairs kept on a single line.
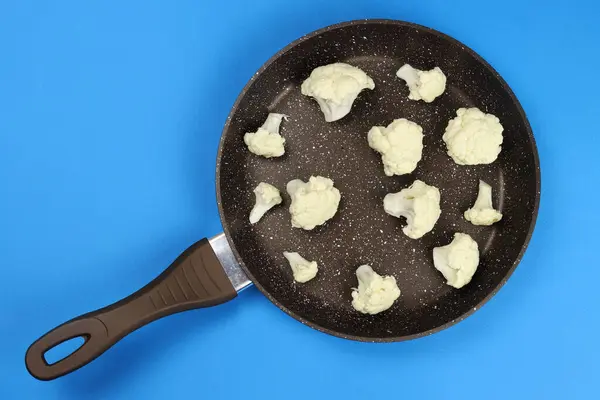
[[64, 349]]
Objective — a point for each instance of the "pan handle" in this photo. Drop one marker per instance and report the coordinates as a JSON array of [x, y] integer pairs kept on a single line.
[[195, 279]]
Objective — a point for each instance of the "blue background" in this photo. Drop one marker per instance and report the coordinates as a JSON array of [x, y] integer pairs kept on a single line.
[[110, 115]]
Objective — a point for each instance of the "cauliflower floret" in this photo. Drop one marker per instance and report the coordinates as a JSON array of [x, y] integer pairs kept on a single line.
[[313, 202], [423, 85], [303, 269], [375, 293], [335, 87], [400, 145], [267, 141], [473, 137], [419, 204], [267, 197], [457, 261], [482, 212]]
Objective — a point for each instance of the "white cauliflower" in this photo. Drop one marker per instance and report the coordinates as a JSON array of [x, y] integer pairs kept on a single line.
[[302, 269], [473, 137], [267, 197], [457, 261], [400, 145], [313, 202], [423, 85], [335, 87], [419, 204], [483, 212], [267, 141], [375, 293]]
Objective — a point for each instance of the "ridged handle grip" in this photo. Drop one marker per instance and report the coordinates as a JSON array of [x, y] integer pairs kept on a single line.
[[195, 279]]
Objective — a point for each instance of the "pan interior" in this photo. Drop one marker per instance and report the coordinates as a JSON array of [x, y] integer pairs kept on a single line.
[[361, 232]]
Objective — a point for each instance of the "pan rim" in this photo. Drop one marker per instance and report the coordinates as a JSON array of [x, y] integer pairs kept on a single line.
[[533, 145]]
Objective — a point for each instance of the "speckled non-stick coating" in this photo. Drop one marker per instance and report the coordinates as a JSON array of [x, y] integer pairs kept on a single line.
[[361, 232]]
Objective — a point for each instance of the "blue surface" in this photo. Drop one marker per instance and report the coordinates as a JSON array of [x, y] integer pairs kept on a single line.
[[110, 115]]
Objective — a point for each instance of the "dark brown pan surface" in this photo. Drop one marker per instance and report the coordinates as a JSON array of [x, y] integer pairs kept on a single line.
[[361, 232]]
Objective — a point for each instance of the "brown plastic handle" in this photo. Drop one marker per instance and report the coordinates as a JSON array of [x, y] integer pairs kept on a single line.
[[195, 279]]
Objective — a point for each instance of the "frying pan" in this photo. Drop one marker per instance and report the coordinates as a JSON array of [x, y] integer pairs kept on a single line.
[[211, 272]]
